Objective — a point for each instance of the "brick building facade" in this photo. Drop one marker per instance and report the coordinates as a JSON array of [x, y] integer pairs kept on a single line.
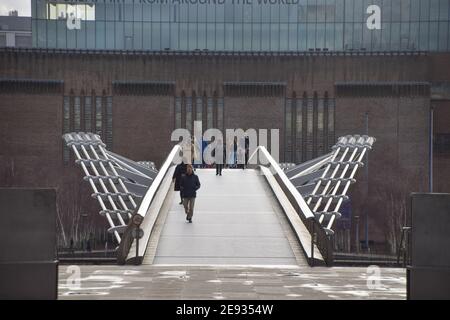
[[136, 99]]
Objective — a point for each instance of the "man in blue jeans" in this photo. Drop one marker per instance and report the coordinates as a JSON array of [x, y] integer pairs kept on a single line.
[[188, 186]]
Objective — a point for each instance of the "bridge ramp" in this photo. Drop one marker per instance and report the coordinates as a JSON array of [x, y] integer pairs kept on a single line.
[[236, 221]]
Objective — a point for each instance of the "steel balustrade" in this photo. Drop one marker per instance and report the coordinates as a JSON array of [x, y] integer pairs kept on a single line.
[[287, 186], [318, 188], [324, 182], [144, 212], [318, 237], [111, 177]]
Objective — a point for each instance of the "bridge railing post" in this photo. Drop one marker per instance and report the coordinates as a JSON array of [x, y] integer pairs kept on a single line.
[[136, 262], [313, 239]]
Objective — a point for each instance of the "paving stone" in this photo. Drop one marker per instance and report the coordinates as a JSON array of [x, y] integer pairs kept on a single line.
[[157, 282]]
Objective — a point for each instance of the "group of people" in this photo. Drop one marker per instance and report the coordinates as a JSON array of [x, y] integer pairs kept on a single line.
[[237, 157], [240, 152], [187, 182]]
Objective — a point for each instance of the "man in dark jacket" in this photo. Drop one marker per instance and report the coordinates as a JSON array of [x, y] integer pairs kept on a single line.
[[189, 186], [180, 171], [220, 150]]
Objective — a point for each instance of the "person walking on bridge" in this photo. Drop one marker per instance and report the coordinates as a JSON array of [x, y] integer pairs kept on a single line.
[[180, 171], [189, 186], [219, 150]]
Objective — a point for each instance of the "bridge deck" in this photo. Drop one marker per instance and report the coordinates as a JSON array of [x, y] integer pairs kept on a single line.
[[236, 222]]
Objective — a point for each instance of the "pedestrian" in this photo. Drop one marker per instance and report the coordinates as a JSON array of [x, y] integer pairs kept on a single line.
[[235, 152], [195, 151], [241, 158], [247, 149], [218, 151], [232, 158], [180, 171], [204, 146], [189, 186], [230, 161]]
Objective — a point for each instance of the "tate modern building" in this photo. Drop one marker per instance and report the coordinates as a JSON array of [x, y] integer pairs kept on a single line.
[[133, 71]]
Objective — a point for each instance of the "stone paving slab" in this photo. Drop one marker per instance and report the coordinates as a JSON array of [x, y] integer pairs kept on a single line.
[[228, 282]]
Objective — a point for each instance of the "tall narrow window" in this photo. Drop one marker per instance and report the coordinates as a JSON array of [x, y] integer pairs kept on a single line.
[[331, 114], [177, 112], [310, 131], [88, 114], [210, 113], [77, 114], [66, 128], [304, 127], [220, 111], [326, 141], [315, 112], [189, 114], [98, 115], [109, 123], [288, 130], [183, 110], [320, 124], [299, 145], [199, 110]]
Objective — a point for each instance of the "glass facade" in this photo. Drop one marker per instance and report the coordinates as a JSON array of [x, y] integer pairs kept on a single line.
[[243, 25]]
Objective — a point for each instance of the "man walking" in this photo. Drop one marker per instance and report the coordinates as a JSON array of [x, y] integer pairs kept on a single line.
[[220, 149], [189, 186]]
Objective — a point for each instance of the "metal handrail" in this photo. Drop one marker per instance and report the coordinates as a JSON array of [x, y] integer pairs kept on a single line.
[[319, 237], [81, 141], [139, 215], [301, 203], [403, 247], [146, 201]]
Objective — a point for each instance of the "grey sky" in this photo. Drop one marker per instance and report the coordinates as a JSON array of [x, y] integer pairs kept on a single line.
[[23, 6]]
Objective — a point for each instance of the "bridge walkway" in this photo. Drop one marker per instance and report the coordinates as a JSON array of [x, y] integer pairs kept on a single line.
[[237, 221]]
